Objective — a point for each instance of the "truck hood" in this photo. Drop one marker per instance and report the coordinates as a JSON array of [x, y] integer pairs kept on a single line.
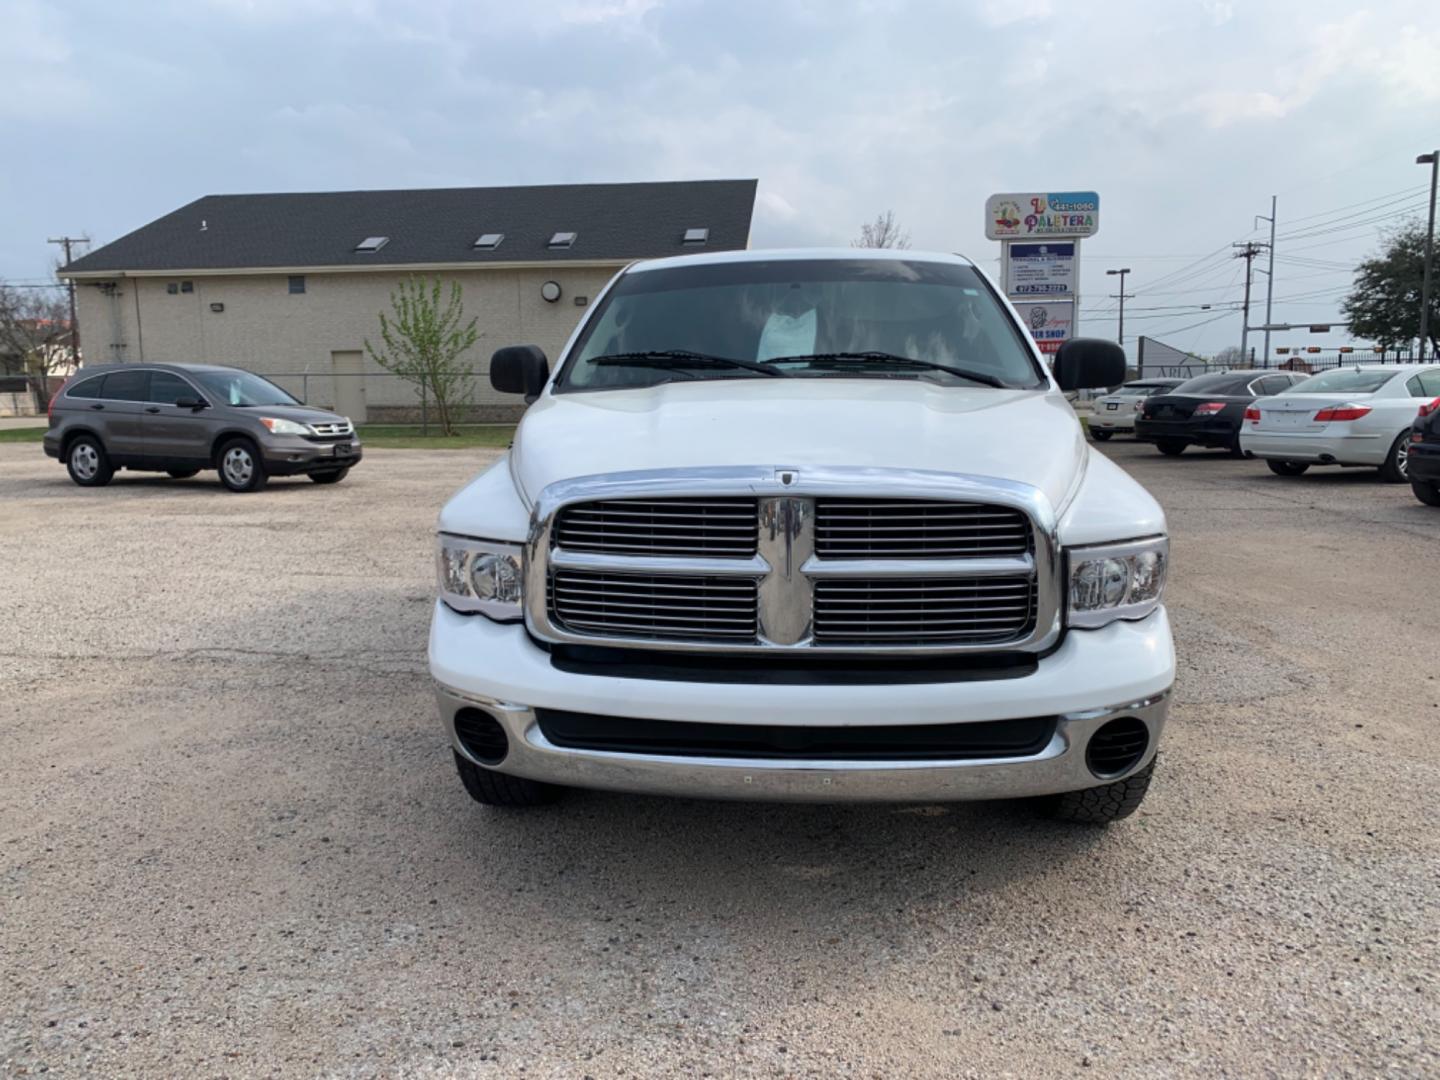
[[1030, 436]]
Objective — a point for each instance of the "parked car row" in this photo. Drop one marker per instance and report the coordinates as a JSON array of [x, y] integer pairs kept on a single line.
[[1368, 415]]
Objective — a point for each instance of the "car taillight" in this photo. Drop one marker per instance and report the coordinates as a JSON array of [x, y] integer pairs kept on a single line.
[[1342, 412], [1430, 406], [1253, 414], [1210, 408]]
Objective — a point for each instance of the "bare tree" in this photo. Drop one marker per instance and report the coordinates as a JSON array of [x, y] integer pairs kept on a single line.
[[883, 232], [423, 341], [35, 336]]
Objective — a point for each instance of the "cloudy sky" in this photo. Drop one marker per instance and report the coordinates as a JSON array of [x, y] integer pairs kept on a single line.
[[1185, 115]]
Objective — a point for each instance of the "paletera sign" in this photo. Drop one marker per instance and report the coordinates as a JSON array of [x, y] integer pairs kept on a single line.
[[1038, 214]]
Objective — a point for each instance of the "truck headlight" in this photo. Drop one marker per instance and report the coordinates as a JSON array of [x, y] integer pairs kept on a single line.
[[477, 575], [280, 426], [1116, 581]]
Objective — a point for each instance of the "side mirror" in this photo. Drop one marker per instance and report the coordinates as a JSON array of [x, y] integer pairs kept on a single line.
[[191, 403], [519, 369], [1089, 363]]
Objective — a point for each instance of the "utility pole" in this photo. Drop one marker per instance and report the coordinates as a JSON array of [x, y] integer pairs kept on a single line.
[[1248, 251], [1269, 276], [1433, 160], [1122, 299], [65, 242]]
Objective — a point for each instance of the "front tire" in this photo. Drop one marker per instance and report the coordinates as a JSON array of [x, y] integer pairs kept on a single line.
[[1427, 492], [1104, 804], [1100, 435], [1397, 463], [241, 467], [1171, 447], [87, 462], [491, 788], [329, 477], [1287, 468]]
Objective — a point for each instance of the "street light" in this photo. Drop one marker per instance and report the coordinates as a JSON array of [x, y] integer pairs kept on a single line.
[[1122, 274], [1433, 160]]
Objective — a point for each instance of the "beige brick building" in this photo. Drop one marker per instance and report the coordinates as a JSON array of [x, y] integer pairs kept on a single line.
[[291, 286]]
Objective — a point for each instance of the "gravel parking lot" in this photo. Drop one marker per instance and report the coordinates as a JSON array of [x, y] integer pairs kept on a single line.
[[233, 842]]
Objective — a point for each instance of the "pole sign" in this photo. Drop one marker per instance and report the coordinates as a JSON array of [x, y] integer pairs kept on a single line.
[[1050, 322], [1030, 215], [1040, 270]]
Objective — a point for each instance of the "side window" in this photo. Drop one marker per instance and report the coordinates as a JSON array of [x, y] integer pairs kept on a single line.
[[125, 386], [1430, 383], [86, 388], [166, 389], [1416, 388]]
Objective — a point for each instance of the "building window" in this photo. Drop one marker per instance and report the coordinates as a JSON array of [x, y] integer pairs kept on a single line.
[[173, 288], [297, 283], [187, 286]]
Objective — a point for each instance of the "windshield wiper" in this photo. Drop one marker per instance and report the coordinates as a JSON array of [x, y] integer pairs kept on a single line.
[[682, 358], [873, 357]]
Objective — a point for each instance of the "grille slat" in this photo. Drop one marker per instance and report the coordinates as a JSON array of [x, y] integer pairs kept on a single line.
[[987, 611], [706, 528], [655, 606], [917, 529]]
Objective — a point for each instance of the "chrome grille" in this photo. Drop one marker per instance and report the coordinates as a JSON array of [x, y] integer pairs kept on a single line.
[[917, 529], [656, 606], [339, 427], [668, 527], [923, 611]]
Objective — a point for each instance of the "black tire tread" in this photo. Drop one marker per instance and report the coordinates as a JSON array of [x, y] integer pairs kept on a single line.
[[260, 477], [1427, 491], [1101, 435], [1287, 468], [1390, 471], [1171, 447], [1106, 803], [106, 471], [491, 788]]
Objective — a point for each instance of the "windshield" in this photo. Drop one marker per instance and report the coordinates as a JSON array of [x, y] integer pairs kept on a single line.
[[821, 318], [234, 387], [1217, 383], [1343, 380]]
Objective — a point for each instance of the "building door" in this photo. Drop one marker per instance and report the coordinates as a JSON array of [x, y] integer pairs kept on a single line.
[[349, 369]]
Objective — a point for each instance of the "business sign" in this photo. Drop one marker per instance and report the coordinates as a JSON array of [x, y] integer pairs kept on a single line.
[[1041, 269], [1050, 322], [1027, 215]]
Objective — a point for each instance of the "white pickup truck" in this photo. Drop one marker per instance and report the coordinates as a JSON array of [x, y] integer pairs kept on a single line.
[[805, 525]]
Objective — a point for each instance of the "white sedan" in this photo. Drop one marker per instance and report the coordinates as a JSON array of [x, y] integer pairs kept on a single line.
[[1115, 412], [1358, 415]]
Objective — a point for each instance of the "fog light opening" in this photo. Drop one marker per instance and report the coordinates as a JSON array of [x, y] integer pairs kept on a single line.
[[1117, 747], [482, 736]]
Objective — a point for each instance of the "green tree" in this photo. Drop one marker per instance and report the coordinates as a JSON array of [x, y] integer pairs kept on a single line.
[[1384, 302], [423, 340]]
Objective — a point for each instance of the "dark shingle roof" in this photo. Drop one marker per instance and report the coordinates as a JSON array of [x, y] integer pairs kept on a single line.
[[438, 225]]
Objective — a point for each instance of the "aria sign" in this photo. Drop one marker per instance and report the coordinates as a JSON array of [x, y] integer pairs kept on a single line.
[[1026, 215]]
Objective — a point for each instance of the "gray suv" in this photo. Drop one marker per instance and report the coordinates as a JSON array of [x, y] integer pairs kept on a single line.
[[181, 418]]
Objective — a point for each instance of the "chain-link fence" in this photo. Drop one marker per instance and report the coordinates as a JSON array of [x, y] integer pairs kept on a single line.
[[371, 397]]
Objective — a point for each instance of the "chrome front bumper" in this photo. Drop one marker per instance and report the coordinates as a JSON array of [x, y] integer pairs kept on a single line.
[[1059, 767]]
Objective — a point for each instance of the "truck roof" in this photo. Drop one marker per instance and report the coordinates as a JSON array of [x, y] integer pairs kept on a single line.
[[775, 254]]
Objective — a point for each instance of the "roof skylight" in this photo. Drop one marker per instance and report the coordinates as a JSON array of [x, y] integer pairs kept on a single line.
[[562, 240], [489, 241], [696, 236], [372, 243]]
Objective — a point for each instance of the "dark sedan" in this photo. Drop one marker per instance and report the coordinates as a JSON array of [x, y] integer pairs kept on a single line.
[[1207, 410], [1423, 470]]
